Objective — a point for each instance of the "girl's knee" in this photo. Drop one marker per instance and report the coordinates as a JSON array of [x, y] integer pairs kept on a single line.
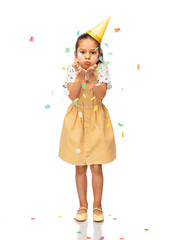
[[81, 169], [96, 168]]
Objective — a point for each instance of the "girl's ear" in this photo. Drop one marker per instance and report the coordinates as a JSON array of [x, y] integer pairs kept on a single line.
[[75, 54]]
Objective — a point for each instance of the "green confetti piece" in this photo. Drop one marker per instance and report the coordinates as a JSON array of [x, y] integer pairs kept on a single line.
[[110, 53], [114, 218], [76, 101], [96, 48], [93, 59], [106, 63], [83, 85], [120, 125], [109, 214], [101, 60], [78, 232], [67, 50], [98, 68], [106, 44]]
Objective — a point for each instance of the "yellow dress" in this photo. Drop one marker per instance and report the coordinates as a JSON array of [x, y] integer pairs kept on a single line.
[[87, 135]]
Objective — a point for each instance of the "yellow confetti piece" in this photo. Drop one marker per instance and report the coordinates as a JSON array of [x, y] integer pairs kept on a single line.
[[122, 134], [60, 216], [95, 108], [92, 98], [64, 68], [138, 66], [76, 60], [109, 124]]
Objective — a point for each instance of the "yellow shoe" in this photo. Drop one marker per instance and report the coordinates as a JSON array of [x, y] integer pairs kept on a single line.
[[98, 217], [81, 216]]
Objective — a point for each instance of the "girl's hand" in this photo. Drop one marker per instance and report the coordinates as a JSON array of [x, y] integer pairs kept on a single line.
[[90, 71], [79, 70]]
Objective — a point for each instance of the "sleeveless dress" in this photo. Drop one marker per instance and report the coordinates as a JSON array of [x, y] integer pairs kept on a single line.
[[87, 135]]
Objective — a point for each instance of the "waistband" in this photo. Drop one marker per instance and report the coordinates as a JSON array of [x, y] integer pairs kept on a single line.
[[90, 106]]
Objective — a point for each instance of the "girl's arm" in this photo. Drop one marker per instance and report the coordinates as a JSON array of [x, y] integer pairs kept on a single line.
[[75, 87], [99, 90]]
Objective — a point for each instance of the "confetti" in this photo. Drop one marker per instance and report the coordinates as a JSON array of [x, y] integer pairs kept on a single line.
[[122, 134], [97, 84], [76, 101], [106, 63], [88, 237], [84, 95], [78, 232], [74, 218], [77, 150], [47, 106], [93, 59], [122, 89], [31, 39], [100, 58], [32, 218], [108, 83], [63, 68], [102, 237], [91, 85], [52, 92], [80, 114], [95, 108], [92, 98], [96, 49], [146, 229], [109, 124], [138, 66], [83, 85], [109, 214], [78, 32], [79, 54], [114, 218], [121, 238], [67, 50], [98, 68], [75, 60], [110, 53], [120, 125], [117, 29], [60, 216], [106, 44]]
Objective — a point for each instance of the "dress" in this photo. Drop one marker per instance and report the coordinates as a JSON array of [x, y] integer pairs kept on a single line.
[[87, 135]]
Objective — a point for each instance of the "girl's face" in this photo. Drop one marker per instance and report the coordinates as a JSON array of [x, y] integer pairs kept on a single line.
[[86, 53]]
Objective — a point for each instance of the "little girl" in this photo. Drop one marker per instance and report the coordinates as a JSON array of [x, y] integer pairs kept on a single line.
[[87, 136]]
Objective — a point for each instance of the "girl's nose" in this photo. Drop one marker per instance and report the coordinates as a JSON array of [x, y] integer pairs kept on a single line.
[[87, 55]]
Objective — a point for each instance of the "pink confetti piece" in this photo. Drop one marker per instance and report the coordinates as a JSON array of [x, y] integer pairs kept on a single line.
[[146, 229], [32, 218], [31, 39]]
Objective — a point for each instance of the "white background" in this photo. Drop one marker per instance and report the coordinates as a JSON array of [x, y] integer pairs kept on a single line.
[[34, 181]]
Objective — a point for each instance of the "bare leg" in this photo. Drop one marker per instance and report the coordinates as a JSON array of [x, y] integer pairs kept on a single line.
[[97, 184], [81, 183]]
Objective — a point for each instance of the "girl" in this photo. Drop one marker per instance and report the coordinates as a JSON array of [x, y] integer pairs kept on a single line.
[[87, 136]]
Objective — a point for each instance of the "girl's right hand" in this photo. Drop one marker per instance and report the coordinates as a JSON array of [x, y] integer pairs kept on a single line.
[[79, 70]]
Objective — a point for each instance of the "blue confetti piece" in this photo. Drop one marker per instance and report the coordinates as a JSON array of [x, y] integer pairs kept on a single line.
[[100, 58], [108, 83], [78, 32], [47, 106]]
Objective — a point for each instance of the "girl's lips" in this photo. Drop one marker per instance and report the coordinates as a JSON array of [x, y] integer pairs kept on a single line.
[[87, 63]]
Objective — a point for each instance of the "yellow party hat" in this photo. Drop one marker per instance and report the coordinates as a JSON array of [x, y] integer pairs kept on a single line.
[[98, 31]]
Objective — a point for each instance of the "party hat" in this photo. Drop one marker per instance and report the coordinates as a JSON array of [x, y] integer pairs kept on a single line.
[[98, 31]]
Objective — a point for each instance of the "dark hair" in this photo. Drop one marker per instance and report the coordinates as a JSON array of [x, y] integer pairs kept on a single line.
[[86, 36]]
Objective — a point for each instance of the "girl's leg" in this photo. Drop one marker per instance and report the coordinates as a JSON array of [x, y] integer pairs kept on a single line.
[[97, 184], [81, 183]]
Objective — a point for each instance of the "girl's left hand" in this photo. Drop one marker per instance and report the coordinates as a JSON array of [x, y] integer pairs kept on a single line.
[[90, 71]]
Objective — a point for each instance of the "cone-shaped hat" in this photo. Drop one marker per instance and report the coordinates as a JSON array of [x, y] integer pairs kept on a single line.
[[98, 31]]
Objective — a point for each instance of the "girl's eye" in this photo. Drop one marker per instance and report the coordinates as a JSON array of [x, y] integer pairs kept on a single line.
[[93, 52], [82, 52]]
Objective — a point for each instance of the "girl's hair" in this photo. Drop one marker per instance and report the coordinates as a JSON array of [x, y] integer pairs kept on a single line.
[[85, 36]]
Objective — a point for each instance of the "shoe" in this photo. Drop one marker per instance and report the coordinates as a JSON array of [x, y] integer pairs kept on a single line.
[[81, 216], [98, 217]]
